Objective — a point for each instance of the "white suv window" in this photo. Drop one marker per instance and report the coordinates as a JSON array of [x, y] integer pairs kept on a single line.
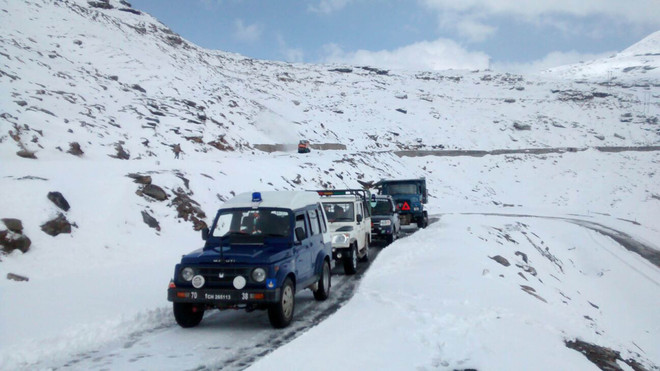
[[314, 222]]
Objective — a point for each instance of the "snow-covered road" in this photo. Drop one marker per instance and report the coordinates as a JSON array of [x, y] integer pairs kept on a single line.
[[228, 340], [558, 252]]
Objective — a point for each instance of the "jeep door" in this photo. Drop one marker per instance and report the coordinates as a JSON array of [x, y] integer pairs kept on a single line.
[[317, 230], [364, 226], [303, 250]]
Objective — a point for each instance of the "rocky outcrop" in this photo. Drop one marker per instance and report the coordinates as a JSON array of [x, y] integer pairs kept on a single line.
[[74, 149], [101, 4], [59, 200], [121, 152], [189, 209], [604, 358], [500, 259], [150, 220], [16, 277], [57, 226], [13, 238], [154, 192], [140, 179]]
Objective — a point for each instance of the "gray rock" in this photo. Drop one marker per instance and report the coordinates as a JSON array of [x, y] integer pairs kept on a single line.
[[57, 226], [101, 4], [16, 277], [520, 126], [500, 259], [14, 225], [74, 149], [140, 179], [26, 154], [138, 88], [150, 220], [154, 192], [189, 209], [10, 241], [59, 200], [121, 153]]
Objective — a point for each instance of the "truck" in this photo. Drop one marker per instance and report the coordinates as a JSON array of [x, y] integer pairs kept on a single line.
[[410, 195]]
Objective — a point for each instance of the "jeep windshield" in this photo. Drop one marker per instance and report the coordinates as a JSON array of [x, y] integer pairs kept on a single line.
[[252, 225], [339, 211], [383, 207], [402, 189]]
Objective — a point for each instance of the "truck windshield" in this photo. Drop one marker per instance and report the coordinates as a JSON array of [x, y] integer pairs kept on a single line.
[[255, 222], [402, 189], [382, 208], [339, 211]]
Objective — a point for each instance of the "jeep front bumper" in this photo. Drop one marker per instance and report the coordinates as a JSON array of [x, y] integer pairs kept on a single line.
[[339, 253], [222, 297]]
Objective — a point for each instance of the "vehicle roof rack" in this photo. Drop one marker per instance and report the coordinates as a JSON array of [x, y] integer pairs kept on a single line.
[[362, 193]]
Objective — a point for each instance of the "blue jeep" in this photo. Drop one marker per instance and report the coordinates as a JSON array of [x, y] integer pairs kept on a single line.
[[261, 249]]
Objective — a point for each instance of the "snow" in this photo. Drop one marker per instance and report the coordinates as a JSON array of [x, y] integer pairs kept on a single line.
[[436, 300], [96, 298]]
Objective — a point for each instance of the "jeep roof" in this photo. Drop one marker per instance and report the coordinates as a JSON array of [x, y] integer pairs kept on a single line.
[[292, 200]]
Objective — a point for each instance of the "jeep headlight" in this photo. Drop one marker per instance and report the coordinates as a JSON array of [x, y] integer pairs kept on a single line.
[[259, 275], [415, 208], [341, 238], [187, 274], [385, 223]]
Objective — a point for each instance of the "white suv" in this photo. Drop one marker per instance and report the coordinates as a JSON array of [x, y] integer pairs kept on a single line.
[[350, 224]]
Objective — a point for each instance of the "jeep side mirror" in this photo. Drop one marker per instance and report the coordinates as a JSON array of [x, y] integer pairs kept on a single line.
[[300, 234], [205, 234], [359, 218]]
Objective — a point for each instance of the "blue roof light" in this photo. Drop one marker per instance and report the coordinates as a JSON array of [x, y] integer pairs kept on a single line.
[[256, 197]]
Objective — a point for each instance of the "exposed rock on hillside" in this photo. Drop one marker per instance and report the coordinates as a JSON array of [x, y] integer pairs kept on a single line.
[[150, 220], [154, 192], [59, 200], [13, 238], [57, 226], [189, 209]]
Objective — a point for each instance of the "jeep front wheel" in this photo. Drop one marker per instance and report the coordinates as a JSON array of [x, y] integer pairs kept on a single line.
[[280, 314], [188, 315], [350, 263], [323, 286]]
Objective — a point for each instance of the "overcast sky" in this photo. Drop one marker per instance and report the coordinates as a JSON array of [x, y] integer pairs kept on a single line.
[[512, 35]]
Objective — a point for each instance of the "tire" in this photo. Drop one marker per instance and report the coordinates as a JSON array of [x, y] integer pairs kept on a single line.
[[390, 238], [188, 315], [365, 257], [323, 290], [350, 265], [280, 314]]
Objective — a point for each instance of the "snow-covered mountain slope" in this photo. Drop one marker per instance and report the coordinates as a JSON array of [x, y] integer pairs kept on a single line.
[[97, 91], [102, 77], [636, 65]]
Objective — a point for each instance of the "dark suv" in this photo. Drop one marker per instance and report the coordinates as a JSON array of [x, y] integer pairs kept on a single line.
[[385, 223], [261, 249]]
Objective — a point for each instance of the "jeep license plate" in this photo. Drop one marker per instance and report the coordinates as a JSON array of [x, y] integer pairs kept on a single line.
[[223, 297]]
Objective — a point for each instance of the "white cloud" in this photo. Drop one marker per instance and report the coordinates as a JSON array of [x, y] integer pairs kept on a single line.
[[293, 55], [474, 31], [554, 59], [249, 33], [328, 6], [638, 11], [441, 54]]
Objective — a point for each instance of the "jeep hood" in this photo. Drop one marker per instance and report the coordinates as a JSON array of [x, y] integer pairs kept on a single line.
[[238, 253]]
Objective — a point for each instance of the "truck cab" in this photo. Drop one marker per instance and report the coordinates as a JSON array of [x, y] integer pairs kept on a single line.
[[410, 196], [261, 249]]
